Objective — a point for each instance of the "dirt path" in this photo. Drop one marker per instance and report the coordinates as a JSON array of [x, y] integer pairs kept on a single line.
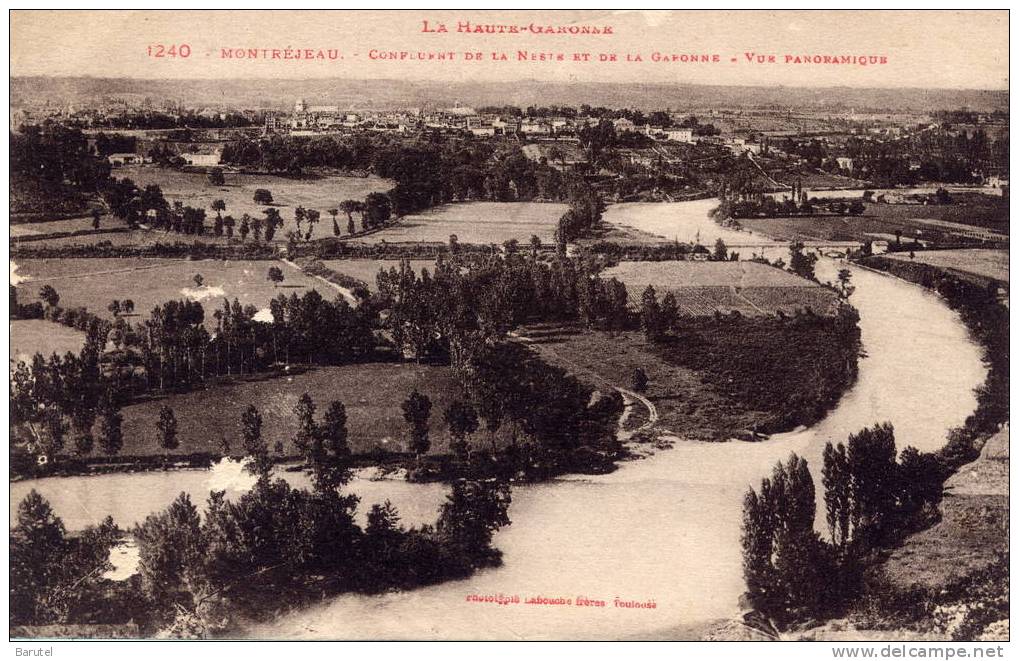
[[343, 290]]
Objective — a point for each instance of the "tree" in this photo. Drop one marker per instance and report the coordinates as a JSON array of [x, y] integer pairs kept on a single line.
[[462, 421], [416, 409], [170, 553], [84, 443], [114, 308], [253, 443], [870, 455], [199, 280], [273, 221], [49, 295], [721, 252], [844, 287], [304, 412], [856, 208], [313, 216], [167, 427], [275, 276], [245, 227], [128, 306], [837, 483], [215, 177], [639, 380], [95, 218], [111, 437], [650, 314], [535, 244], [800, 263], [330, 456], [349, 207], [668, 312], [263, 197], [333, 213], [472, 513], [377, 208], [782, 563], [52, 574]]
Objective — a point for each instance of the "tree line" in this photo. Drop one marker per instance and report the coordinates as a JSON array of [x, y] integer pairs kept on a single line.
[[872, 499]]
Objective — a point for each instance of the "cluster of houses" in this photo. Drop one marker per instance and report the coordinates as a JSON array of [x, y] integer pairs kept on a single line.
[[309, 120]]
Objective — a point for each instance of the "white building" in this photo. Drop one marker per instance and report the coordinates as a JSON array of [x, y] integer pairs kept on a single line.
[[117, 160], [534, 128], [202, 160], [679, 135]]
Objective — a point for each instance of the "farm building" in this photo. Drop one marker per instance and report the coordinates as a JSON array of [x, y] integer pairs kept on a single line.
[[117, 160], [679, 135], [202, 160]]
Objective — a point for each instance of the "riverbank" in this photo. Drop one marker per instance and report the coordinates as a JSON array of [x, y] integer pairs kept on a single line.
[[951, 578]]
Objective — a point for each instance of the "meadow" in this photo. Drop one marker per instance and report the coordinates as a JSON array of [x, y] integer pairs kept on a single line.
[[32, 336], [975, 218], [702, 288], [476, 222], [992, 264], [371, 392], [94, 283], [319, 192]]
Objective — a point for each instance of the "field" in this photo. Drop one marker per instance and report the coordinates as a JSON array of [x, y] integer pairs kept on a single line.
[[476, 222], [978, 218], [701, 288], [94, 283], [365, 270], [58, 226], [992, 264], [312, 192], [32, 336], [372, 394]]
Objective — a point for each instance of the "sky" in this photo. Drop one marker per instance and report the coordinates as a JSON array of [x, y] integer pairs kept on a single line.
[[933, 49]]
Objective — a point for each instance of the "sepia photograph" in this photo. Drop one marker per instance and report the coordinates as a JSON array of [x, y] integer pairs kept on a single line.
[[510, 325]]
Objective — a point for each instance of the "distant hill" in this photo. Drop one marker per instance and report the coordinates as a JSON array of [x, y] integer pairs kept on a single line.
[[279, 93]]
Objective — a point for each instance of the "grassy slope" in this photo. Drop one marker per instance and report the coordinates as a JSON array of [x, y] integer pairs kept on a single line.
[[973, 528], [372, 394], [992, 264], [686, 404]]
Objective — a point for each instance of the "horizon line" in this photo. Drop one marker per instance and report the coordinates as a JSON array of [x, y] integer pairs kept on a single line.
[[514, 80]]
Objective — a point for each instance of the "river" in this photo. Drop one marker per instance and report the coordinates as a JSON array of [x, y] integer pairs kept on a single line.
[[664, 528]]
